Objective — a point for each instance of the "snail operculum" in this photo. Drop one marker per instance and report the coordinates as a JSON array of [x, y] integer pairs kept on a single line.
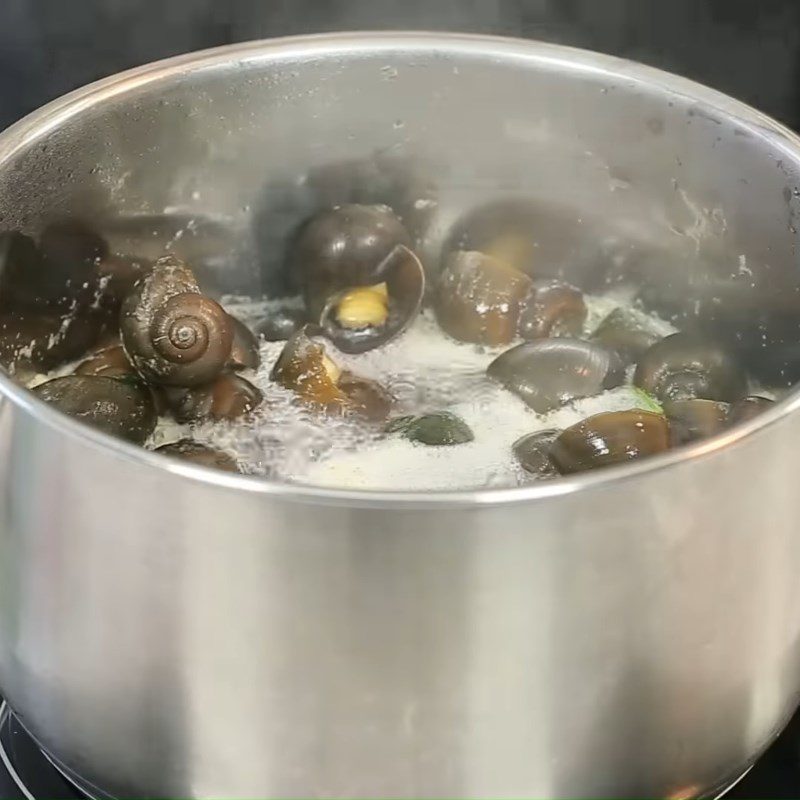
[[548, 373], [533, 452], [173, 334], [121, 408], [196, 453], [553, 308], [613, 437], [478, 298], [439, 429], [684, 366]]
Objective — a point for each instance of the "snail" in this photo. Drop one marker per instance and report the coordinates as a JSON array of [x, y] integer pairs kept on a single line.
[[548, 373], [553, 308], [123, 409], [685, 365], [361, 281], [189, 450], [305, 367], [625, 333], [110, 363], [533, 452], [43, 341], [173, 334], [228, 397], [244, 350], [613, 437], [748, 408], [691, 420], [478, 298]]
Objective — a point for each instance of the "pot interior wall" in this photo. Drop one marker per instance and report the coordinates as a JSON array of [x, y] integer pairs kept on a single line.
[[603, 176]]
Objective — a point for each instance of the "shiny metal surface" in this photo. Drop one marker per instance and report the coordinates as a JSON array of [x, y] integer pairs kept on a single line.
[[169, 631]]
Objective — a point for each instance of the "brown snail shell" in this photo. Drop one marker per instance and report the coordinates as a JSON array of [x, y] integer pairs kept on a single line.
[[110, 363], [748, 408], [691, 420], [304, 367], [121, 408], [404, 276], [43, 341], [478, 298], [613, 437], [553, 309], [365, 398], [173, 334], [244, 350], [228, 397], [189, 450]]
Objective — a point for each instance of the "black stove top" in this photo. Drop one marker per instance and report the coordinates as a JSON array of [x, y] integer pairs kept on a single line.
[[27, 774]]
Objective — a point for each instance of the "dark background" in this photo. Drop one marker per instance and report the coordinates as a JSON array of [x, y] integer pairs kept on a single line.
[[748, 48]]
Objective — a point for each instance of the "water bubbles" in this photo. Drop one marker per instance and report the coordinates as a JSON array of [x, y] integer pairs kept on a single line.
[[389, 72]]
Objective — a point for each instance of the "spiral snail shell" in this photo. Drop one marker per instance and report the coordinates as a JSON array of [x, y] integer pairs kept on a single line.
[[173, 334]]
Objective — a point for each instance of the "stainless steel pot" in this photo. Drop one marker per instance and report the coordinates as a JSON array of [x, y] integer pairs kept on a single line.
[[171, 631]]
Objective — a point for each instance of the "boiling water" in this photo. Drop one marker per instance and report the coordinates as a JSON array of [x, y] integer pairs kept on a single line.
[[425, 370]]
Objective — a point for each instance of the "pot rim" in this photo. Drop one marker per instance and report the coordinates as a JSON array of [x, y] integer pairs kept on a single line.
[[54, 114]]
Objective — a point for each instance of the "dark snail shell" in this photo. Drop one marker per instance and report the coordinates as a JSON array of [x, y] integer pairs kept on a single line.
[[748, 408], [244, 350], [196, 453], [174, 335], [44, 341], [684, 365], [623, 332], [365, 398], [121, 408], [614, 437], [343, 247], [553, 309], [110, 363], [439, 429], [118, 275], [281, 324], [478, 298], [533, 452], [548, 373], [228, 397], [68, 277], [404, 277], [691, 420]]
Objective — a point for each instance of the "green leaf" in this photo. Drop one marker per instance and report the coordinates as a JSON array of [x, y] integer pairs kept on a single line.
[[646, 401]]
